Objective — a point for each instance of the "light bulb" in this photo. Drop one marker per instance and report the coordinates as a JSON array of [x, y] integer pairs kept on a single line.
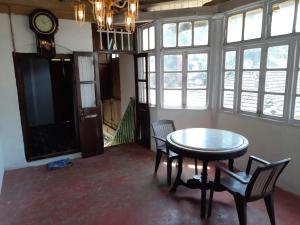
[[132, 7]]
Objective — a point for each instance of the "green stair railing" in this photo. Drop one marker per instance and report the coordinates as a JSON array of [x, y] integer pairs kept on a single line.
[[125, 130]]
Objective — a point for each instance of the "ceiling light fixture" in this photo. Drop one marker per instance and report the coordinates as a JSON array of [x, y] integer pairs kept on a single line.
[[104, 10]]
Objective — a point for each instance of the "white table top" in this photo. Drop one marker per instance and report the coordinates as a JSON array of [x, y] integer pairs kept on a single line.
[[208, 140]]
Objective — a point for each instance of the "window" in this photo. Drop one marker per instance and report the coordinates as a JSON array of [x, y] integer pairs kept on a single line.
[[250, 80], [152, 81], [196, 80], [252, 26], [275, 80], [148, 35], [185, 34], [172, 80], [169, 35], [229, 79], [185, 80], [296, 115], [282, 18]]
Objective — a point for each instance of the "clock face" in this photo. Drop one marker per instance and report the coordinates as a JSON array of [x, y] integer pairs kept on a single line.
[[44, 23]]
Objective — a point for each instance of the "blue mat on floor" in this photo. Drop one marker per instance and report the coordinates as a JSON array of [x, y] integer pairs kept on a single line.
[[60, 164]]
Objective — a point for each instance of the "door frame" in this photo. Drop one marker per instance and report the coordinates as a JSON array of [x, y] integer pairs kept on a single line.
[[17, 58]]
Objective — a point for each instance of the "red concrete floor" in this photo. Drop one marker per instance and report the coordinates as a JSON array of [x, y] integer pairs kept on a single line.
[[119, 188]]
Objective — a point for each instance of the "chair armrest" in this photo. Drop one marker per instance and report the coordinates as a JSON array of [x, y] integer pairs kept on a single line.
[[159, 138], [233, 175], [254, 158]]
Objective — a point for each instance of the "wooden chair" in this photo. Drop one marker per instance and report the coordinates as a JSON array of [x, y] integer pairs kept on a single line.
[[161, 129], [247, 188]]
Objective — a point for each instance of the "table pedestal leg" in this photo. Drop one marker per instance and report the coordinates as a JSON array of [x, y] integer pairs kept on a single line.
[[230, 166], [177, 181], [203, 190]]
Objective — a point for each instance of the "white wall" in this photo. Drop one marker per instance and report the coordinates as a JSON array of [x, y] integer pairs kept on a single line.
[[70, 37], [1, 166], [126, 64]]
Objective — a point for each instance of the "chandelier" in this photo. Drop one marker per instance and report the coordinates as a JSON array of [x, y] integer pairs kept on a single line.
[[103, 12]]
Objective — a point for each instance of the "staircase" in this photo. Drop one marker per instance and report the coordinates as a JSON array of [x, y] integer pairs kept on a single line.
[[125, 130]]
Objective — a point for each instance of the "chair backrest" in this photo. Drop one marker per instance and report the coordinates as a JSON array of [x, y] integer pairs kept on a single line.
[[162, 128], [264, 178]]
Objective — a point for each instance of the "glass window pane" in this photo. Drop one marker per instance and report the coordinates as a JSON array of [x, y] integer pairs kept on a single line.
[[253, 24], [249, 102], [297, 109], [275, 81], [142, 92], [196, 98], [169, 35], [298, 84], [145, 39], [172, 62], [250, 80], [298, 20], [151, 38], [88, 95], [86, 68], [197, 62], [229, 80], [185, 34], [252, 58], [152, 96], [273, 105], [141, 68], [230, 60], [277, 57], [282, 18], [228, 99], [151, 63], [196, 80], [152, 80], [172, 98], [172, 80], [201, 32], [235, 28]]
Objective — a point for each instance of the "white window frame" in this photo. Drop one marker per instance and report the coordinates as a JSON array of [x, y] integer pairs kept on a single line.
[[184, 78], [244, 11], [266, 41], [177, 33]]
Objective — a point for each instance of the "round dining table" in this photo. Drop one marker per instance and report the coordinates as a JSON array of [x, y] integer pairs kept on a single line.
[[204, 144]]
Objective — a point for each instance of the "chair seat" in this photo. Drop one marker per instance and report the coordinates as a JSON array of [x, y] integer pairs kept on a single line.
[[234, 185], [164, 150]]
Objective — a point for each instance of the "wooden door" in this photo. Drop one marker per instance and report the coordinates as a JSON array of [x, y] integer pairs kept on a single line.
[[142, 99], [89, 103]]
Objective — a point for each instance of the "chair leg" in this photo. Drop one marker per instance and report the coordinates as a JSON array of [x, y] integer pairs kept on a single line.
[[157, 161], [270, 208], [196, 167], [169, 170], [241, 206], [211, 196]]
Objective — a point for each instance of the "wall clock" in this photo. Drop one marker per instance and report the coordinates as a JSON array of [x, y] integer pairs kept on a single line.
[[44, 24]]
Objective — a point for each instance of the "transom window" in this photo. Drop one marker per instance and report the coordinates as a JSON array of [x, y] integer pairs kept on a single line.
[[185, 34], [245, 26], [148, 35]]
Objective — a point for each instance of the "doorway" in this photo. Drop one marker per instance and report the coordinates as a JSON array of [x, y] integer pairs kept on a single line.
[[46, 99], [117, 93]]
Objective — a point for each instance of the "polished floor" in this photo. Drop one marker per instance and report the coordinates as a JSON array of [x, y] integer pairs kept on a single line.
[[119, 188]]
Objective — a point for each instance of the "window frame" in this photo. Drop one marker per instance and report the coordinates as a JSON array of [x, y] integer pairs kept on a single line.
[[266, 41], [243, 12], [184, 72]]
